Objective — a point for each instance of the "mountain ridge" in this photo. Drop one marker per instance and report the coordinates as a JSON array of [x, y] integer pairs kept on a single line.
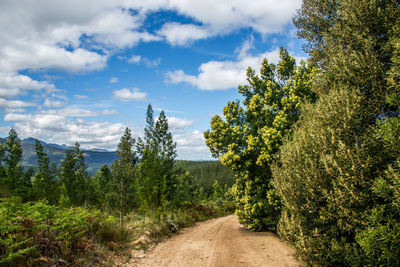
[[93, 158]]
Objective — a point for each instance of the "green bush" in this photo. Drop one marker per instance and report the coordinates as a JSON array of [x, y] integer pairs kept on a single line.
[[380, 240], [340, 199]]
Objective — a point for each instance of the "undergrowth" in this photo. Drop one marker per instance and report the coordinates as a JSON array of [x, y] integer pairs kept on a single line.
[[38, 234]]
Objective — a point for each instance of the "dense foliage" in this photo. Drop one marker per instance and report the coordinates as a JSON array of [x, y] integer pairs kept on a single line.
[[338, 175], [205, 173], [248, 138]]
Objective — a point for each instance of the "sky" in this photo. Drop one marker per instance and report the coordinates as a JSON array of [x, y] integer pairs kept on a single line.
[[83, 70]]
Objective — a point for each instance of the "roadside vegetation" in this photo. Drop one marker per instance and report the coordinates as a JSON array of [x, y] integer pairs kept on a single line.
[[315, 146]]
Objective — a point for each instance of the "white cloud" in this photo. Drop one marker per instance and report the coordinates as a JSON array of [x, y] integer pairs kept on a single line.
[[15, 110], [109, 112], [52, 103], [70, 112], [126, 95], [183, 34], [12, 85], [151, 63], [55, 101], [135, 59], [14, 103], [191, 146], [60, 34], [178, 124], [113, 80], [225, 16], [222, 75]]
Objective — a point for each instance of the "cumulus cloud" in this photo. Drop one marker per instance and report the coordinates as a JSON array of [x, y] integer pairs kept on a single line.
[[55, 101], [12, 85], [191, 146], [126, 95], [225, 16], [178, 124], [62, 34], [14, 103], [109, 112], [135, 59], [222, 75], [183, 34]]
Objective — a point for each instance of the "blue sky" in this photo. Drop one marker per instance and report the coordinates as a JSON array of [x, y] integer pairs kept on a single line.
[[81, 71]]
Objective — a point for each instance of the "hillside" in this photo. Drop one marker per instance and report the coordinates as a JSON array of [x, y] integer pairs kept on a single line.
[[93, 159], [206, 172]]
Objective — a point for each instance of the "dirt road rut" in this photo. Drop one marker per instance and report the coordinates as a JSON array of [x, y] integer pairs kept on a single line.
[[220, 242]]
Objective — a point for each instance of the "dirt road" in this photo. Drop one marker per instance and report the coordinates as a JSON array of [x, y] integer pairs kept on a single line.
[[220, 242]]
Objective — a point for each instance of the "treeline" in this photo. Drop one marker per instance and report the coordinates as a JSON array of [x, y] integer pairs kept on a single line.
[[315, 147], [207, 173]]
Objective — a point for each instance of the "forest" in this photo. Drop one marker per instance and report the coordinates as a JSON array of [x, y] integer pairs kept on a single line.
[[315, 146], [51, 213]]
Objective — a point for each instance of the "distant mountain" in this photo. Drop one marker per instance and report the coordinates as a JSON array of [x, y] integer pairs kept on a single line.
[[98, 150], [93, 158]]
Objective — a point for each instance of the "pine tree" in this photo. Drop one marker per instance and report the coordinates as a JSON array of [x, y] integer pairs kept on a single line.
[[152, 182], [102, 187], [44, 181], [166, 151], [74, 178], [123, 184], [158, 178], [4, 183], [13, 160]]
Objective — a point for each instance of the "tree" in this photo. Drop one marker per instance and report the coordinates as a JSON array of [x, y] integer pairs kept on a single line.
[[218, 191], [102, 187], [4, 182], [74, 178], [123, 184], [152, 182], [15, 181], [250, 136], [333, 175], [166, 150], [314, 20], [44, 181], [158, 178], [148, 140], [13, 159]]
